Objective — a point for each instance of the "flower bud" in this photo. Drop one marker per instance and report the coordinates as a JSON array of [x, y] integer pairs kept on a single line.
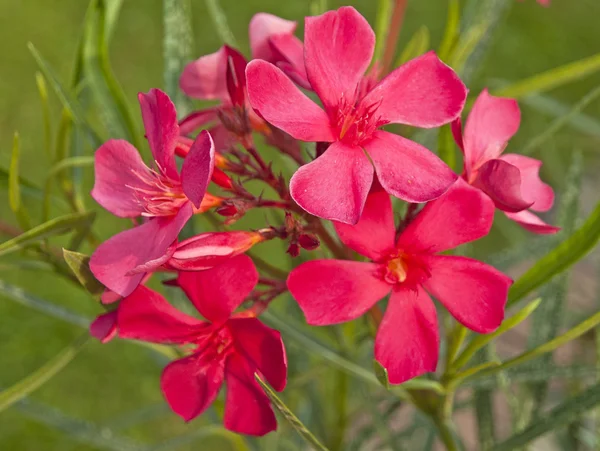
[[227, 210], [308, 241], [220, 178], [293, 249]]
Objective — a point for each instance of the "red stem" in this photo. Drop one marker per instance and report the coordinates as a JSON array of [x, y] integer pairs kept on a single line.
[[391, 41]]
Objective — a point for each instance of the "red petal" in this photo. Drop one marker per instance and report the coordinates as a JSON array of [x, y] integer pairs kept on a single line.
[[335, 185], [113, 260], [262, 27], [338, 47], [461, 215], [196, 120], [275, 98], [456, 128], [502, 182], [408, 170], [334, 291], [191, 385], [423, 93], [532, 187], [162, 129], [407, 341], [146, 315], [473, 292], [491, 123], [104, 327], [373, 235], [198, 167], [531, 222], [247, 408], [115, 164], [205, 78], [263, 347], [217, 292], [291, 58]]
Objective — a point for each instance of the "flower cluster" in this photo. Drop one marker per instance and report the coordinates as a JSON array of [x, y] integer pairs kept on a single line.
[[356, 167]]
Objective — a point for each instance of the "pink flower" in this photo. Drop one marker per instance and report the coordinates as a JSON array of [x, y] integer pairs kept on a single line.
[[512, 181], [104, 327], [227, 349], [338, 50], [166, 199], [334, 291]]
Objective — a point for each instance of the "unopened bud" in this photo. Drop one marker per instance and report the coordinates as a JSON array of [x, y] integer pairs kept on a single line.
[[308, 242], [293, 249], [227, 210], [221, 179]]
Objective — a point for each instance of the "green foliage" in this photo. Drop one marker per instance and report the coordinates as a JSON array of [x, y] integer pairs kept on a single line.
[[80, 265], [220, 22], [417, 46]]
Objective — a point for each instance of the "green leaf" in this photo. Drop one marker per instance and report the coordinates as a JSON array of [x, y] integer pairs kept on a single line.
[[178, 442], [467, 45], [418, 45], [55, 171], [43, 92], [381, 374], [447, 147], [552, 78], [58, 226], [318, 7], [220, 21], [290, 417], [14, 187], [558, 417], [80, 265], [38, 378], [486, 429], [384, 12], [452, 30]]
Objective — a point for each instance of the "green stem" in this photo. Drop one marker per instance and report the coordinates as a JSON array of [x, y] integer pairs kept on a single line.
[[445, 432]]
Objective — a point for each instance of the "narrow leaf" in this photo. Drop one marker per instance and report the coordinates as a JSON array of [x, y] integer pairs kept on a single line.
[[452, 30], [318, 7], [467, 45], [14, 187], [447, 147], [43, 92], [418, 45], [80, 265], [381, 374], [384, 12], [220, 21]]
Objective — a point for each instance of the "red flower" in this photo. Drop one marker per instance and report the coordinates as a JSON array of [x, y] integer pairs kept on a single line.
[[128, 188], [424, 93], [104, 327], [334, 291], [227, 349], [512, 181]]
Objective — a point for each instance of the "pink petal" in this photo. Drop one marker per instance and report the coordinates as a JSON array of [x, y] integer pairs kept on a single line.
[[338, 47], [146, 315], [373, 235], [275, 98], [473, 292], [104, 327], [205, 78], [247, 408], [461, 215], [190, 385], [217, 292], [532, 187], [423, 93], [290, 59], [198, 167], [335, 185], [408, 170], [407, 341], [531, 222], [235, 76], [146, 268], [262, 27], [196, 120], [162, 129], [115, 164], [334, 291], [456, 128], [491, 123], [116, 257], [263, 347], [502, 182]]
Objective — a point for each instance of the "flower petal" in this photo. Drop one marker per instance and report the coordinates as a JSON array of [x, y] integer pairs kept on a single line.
[[335, 185], [373, 235], [502, 182], [338, 48], [334, 291], [162, 129], [473, 292], [408, 170], [262, 27], [205, 78], [115, 164], [532, 222], [290, 59], [104, 327], [198, 167], [424, 92], [196, 120], [247, 408], [532, 187], [461, 215], [407, 342], [263, 347], [217, 292], [491, 123], [276, 99], [113, 260], [190, 385], [146, 315]]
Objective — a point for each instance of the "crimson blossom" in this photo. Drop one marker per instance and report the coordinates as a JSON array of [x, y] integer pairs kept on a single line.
[[163, 197], [407, 341], [229, 348], [512, 181], [338, 48]]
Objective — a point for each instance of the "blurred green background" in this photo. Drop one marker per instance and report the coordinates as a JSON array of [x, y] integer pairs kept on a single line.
[[109, 397]]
